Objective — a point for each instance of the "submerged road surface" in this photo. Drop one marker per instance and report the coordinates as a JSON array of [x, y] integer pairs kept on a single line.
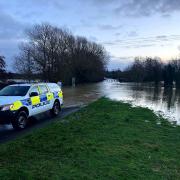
[[8, 133]]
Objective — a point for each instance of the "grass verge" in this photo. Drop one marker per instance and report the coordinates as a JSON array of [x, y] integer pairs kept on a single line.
[[106, 140]]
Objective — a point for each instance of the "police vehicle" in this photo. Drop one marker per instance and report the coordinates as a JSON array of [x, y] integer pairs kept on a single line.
[[18, 102]]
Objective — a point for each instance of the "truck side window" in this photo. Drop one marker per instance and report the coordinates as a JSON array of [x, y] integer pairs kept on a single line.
[[34, 89], [43, 89], [54, 87]]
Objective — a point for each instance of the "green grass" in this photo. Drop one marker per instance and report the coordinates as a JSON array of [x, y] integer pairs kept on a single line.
[[106, 140]]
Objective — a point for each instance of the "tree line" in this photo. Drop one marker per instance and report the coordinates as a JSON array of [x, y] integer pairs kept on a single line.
[[150, 70], [2, 68], [55, 54]]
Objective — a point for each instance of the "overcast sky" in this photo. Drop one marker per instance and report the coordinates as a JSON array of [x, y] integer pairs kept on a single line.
[[127, 28]]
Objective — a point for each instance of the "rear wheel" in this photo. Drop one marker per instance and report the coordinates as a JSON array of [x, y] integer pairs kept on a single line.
[[56, 109], [20, 122]]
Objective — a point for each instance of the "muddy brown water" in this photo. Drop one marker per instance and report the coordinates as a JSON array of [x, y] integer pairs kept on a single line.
[[162, 101]]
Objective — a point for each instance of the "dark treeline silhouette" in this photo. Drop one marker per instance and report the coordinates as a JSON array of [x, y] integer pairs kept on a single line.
[[150, 70], [55, 54], [2, 68], [4, 76]]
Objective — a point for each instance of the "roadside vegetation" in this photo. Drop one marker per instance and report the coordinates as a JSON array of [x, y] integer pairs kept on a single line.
[[106, 140], [150, 70]]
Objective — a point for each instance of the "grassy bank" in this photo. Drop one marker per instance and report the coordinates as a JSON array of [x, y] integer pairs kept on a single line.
[[106, 140]]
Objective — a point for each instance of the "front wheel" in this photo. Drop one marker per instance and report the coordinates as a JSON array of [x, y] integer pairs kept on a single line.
[[20, 122], [56, 109]]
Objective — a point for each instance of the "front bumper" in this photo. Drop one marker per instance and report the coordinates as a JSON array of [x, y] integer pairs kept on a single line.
[[7, 116]]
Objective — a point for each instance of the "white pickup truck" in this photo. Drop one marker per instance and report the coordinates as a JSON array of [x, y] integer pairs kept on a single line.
[[18, 102]]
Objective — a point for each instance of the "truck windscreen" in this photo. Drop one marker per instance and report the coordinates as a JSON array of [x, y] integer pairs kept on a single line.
[[14, 91]]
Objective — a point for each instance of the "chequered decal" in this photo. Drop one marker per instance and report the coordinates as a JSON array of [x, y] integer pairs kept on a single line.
[[37, 100], [26, 102], [43, 97], [56, 95]]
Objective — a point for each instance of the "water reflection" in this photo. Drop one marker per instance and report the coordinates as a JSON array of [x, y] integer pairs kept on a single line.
[[165, 101]]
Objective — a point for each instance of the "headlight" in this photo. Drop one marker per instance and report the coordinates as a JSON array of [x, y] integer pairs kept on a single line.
[[6, 107]]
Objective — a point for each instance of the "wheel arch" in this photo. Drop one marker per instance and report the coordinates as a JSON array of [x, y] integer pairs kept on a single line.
[[24, 109], [57, 100]]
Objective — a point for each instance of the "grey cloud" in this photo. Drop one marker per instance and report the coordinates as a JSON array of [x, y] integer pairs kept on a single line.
[[135, 8], [102, 3], [11, 33], [93, 38], [10, 28], [85, 23], [120, 62], [9, 49], [117, 34], [141, 45], [132, 34], [40, 3], [161, 37], [110, 43], [109, 27], [178, 47], [148, 7], [163, 40], [121, 57], [35, 8]]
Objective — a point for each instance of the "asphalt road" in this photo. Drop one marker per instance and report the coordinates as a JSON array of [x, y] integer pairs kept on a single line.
[[7, 132]]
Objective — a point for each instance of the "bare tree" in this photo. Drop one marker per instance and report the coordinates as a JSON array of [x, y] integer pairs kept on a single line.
[[2, 68], [2, 63], [58, 55], [24, 63]]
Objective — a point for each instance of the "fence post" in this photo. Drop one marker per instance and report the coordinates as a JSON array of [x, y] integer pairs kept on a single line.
[[73, 81]]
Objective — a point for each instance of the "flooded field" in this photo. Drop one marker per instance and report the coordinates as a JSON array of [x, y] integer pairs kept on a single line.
[[162, 101]]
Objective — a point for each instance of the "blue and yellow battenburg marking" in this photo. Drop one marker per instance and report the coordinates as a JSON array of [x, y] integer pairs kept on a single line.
[[40, 101], [50, 96], [36, 101], [26, 102], [16, 105]]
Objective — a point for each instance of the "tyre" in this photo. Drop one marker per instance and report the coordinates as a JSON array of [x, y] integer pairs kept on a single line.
[[56, 109], [20, 122]]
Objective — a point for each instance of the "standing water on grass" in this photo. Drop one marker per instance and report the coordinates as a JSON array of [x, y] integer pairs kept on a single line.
[[161, 100]]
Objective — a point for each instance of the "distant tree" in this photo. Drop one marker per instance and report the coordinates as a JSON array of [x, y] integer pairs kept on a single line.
[[2, 63], [142, 70], [2, 68], [114, 74], [24, 62], [168, 75], [176, 66], [89, 61], [137, 70], [153, 69]]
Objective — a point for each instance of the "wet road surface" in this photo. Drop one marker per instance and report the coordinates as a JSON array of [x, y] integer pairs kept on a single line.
[[7, 132]]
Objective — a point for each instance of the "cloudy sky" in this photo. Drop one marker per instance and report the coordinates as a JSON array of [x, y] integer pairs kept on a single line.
[[127, 28]]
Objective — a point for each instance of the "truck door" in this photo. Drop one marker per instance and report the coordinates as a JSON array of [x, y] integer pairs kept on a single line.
[[45, 98], [35, 101]]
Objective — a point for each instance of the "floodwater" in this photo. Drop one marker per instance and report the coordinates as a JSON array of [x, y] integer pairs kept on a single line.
[[165, 102]]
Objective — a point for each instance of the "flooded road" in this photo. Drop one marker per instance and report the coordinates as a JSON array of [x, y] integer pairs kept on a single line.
[[162, 101]]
